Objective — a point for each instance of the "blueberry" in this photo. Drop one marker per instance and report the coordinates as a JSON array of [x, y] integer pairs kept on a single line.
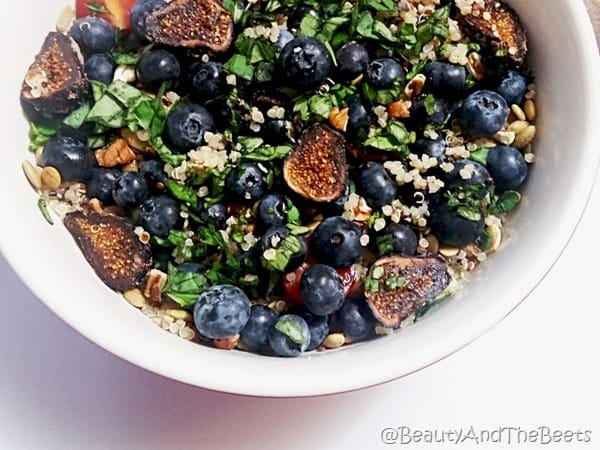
[[93, 35], [275, 131], [215, 215], [352, 60], [355, 319], [156, 67], [255, 335], [376, 185], [221, 113], [428, 110], [100, 67], [72, 158], [319, 329], [305, 62], [248, 181], [154, 171], [159, 215], [274, 238], [140, 11], [444, 79], [322, 290], [478, 174], [507, 167], [101, 184], [207, 80], [358, 118], [513, 88], [186, 125], [130, 190], [336, 241], [435, 148], [221, 311], [191, 267], [397, 238], [272, 210], [289, 336], [483, 113], [453, 229], [284, 37], [381, 73]]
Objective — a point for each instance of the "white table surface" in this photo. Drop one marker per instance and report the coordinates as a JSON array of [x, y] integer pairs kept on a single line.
[[539, 367]]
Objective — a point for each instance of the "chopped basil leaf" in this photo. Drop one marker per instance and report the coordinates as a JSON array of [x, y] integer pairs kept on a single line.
[[480, 155], [309, 26], [485, 241], [96, 8], [267, 153], [78, 117], [240, 66], [281, 255], [290, 327], [469, 213], [430, 104], [184, 287], [125, 59], [506, 202], [183, 193], [39, 136], [43, 207]]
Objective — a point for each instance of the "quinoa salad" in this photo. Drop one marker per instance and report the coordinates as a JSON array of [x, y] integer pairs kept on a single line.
[[282, 176]]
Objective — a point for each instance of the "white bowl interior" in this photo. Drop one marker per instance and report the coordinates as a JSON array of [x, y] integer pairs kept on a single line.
[[565, 60]]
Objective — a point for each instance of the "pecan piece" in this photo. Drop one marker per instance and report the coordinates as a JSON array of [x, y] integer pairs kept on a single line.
[[116, 154]]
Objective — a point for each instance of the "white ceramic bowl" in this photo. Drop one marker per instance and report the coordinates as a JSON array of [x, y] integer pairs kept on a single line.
[[565, 59]]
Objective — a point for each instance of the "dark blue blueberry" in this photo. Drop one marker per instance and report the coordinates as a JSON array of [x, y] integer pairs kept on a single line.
[[158, 66], [140, 11], [274, 238], [248, 181], [130, 190], [255, 335], [275, 131], [381, 73], [221, 113], [444, 79], [154, 171], [507, 167], [397, 238], [479, 175], [352, 61], [72, 158], [284, 37], [322, 290], [319, 329], [453, 229], [483, 113], [289, 336], [305, 62], [513, 88], [192, 267], [336, 242], [435, 148], [215, 215], [221, 311], [159, 215], [100, 67], [207, 80], [358, 118], [375, 184], [101, 184], [186, 125], [93, 35], [336, 207], [355, 319], [272, 210], [428, 110]]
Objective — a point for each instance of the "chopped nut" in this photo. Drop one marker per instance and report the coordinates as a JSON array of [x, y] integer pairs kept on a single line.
[[517, 126], [135, 297], [525, 137], [65, 19], [32, 174], [518, 112], [399, 109], [415, 86], [448, 251], [126, 74], [179, 314], [338, 118], [155, 282], [530, 110], [134, 141], [228, 343], [51, 178], [95, 205], [334, 340], [475, 66], [116, 154]]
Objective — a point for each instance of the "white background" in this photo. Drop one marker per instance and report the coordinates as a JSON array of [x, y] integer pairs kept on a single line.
[[539, 367]]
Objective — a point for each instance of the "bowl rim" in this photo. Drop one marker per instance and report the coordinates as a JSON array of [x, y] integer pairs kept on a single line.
[[586, 39]]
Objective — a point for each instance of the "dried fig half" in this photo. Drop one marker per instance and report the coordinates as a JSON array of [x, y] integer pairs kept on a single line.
[[396, 286], [316, 169]]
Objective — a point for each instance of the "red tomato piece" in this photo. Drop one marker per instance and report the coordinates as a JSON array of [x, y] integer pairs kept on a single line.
[[117, 11]]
